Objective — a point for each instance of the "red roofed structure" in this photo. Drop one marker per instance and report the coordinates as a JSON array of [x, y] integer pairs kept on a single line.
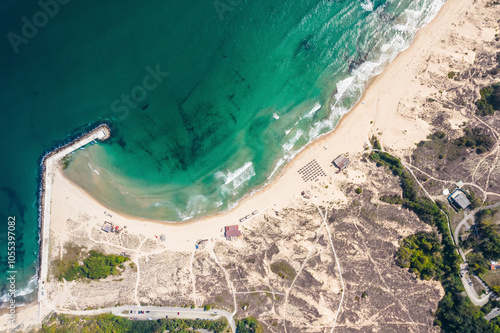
[[232, 231]]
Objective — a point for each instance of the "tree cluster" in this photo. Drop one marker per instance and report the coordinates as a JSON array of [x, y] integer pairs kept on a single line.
[[96, 266], [108, 323], [484, 240], [421, 253], [475, 138], [248, 325], [489, 101]]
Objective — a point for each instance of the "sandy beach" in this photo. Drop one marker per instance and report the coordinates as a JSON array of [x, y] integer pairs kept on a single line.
[[391, 108]]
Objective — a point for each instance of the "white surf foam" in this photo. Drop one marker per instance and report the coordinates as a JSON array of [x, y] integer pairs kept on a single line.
[[289, 145], [367, 6], [353, 86], [97, 172], [196, 205], [28, 289], [233, 180], [311, 113]]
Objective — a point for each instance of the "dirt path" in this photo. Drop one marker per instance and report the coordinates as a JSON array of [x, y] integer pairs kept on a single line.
[[230, 284], [137, 265], [335, 255], [193, 279], [311, 251]]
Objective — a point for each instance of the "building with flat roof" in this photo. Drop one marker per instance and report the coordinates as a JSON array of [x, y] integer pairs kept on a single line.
[[459, 200], [232, 231], [341, 162], [107, 226]]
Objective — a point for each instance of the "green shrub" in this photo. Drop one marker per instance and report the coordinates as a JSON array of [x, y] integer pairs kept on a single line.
[[475, 138], [66, 161], [283, 270], [96, 266], [248, 325], [358, 190], [489, 101], [111, 323], [421, 253], [392, 199]]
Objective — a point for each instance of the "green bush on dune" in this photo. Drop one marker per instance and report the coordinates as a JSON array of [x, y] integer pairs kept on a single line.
[[489, 101], [96, 266], [421, 253], [110, 323]]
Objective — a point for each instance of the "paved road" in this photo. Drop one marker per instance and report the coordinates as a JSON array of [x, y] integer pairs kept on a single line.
[[470, 215], [471, 292], [493, 313], [157, 312]]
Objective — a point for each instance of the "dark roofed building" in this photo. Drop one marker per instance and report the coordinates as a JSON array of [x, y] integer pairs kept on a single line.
[[232, 231], [107, 227], [459, 200], [341, 162]]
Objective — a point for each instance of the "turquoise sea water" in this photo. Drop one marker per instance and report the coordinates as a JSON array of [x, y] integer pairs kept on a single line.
[[206, 100]]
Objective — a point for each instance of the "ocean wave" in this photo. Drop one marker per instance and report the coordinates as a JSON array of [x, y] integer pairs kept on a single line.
[[311, 113], [353, 86], [291, 143], [388, 35], [197, 204], [30, 288], [97, 172], [367, 6], [233, 180]]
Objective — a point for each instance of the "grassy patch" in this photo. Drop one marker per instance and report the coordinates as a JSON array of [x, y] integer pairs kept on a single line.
[[66, 161], [492, 278], [283, 270], [72, 253], [475, 138]]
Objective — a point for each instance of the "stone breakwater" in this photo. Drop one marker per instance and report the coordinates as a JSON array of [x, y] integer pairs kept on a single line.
[[101, 132]]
